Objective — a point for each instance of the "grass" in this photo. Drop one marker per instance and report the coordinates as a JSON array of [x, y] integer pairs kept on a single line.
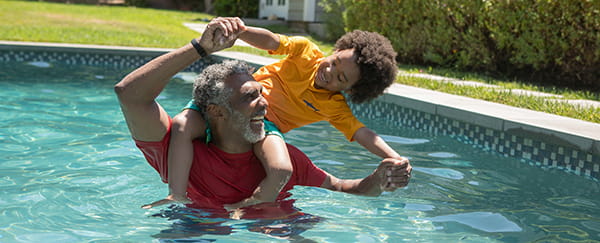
[[141, 27], [504, 83], [88, 24], [505, 96], [101, 25]]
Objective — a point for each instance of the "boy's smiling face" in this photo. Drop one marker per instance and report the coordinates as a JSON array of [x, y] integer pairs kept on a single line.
[[338, 72]]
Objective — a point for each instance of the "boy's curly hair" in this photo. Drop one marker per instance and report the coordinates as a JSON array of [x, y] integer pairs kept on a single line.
[[376, 59]]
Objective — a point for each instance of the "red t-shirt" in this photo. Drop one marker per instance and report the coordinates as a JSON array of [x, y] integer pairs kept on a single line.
[[218, 178]]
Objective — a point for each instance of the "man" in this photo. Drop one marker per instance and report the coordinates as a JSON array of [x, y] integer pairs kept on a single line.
[[225, 170]]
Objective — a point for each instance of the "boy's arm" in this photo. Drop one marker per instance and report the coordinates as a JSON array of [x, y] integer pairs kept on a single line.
[[390, 175], [260, 38], [257, 37], [374, 143]]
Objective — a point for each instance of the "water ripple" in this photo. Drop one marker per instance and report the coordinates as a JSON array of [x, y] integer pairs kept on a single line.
[[443, 155], [484, 221], [402, 140], [441, 172]]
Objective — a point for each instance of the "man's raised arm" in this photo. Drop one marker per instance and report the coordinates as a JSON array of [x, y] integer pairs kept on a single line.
[[146, 119], [389, 175]]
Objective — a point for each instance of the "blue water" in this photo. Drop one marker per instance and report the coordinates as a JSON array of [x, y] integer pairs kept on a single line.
[[69, 172]]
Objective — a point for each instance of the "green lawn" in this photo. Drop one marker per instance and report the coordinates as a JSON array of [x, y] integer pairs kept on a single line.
[[88, 24], [141, 27]]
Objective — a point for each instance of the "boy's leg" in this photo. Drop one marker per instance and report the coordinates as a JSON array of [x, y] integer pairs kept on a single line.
[[275, 158], [186, 126]]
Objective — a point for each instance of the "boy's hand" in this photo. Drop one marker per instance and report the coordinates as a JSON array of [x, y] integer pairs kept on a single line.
[[169, 200]]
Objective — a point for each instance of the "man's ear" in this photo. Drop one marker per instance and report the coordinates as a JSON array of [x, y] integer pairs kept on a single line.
[[215, 111]]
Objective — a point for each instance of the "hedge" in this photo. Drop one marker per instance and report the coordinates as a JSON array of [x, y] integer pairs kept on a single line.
[[557, 41]]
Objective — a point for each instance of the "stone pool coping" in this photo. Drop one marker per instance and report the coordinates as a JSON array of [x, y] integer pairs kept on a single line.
[[568, 132]]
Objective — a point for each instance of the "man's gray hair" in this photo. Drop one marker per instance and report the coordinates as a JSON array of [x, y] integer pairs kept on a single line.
[[209, 86]]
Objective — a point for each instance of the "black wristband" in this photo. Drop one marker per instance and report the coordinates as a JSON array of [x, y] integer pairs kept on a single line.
[[198, 48]]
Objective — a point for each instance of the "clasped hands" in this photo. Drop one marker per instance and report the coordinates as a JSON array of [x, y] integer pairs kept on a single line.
[[393, 173]]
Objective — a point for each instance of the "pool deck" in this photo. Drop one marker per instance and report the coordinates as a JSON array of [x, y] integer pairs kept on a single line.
[[582, 135]]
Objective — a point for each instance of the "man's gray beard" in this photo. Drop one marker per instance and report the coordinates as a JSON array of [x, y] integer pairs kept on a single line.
[[243, 125]]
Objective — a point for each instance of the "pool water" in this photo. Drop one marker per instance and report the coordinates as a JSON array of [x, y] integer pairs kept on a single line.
[[69, 172]]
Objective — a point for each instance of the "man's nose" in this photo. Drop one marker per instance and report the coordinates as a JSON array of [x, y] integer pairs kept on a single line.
[[263, 102]]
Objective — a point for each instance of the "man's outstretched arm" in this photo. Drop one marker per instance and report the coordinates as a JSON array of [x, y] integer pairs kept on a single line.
[[146, 119], [389, 175]]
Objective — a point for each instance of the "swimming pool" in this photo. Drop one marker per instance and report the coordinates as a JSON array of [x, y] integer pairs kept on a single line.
[[70, 173]]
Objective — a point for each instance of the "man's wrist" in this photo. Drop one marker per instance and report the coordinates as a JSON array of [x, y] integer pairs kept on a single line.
[[201, 51]]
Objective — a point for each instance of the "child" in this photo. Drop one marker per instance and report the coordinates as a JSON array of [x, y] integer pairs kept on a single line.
[[303, 88]]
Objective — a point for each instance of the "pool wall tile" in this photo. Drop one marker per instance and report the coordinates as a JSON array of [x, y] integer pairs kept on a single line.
[[574, 153], [461, 115], [529, 148]]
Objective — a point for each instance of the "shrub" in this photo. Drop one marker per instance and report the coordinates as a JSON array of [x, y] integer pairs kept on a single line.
[[554, 40], [559, 40], [334, 13], [136, 3], [239, 8]]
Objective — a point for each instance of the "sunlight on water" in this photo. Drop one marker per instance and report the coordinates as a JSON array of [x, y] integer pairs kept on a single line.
[[69, 172], [484, 221]]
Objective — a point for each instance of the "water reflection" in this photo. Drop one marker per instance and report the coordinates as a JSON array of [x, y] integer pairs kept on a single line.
[[403, 140], [484, 221], [189, 223], [40, 64], [441, 172]]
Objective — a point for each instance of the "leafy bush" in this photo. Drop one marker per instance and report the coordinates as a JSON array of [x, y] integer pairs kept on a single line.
[[136, 3], [554, 40], [239, 8], [560, 39], [334, 12]]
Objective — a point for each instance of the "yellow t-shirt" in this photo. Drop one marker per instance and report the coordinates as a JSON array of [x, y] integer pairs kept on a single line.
[[293, 99]]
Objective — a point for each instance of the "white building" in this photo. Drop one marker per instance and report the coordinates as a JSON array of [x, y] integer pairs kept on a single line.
[[303, 14], [291, 10]]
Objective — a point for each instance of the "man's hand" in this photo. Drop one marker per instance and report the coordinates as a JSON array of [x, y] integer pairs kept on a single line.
[[393, 173], [221, 33], [169, 200]]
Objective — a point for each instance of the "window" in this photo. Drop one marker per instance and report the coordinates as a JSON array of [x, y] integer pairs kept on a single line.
[[269, 2], [280, 2]]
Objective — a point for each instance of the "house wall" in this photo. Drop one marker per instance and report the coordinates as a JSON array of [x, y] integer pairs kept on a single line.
[[278, 8], [296, 10], [319, 12], [292, 10]]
